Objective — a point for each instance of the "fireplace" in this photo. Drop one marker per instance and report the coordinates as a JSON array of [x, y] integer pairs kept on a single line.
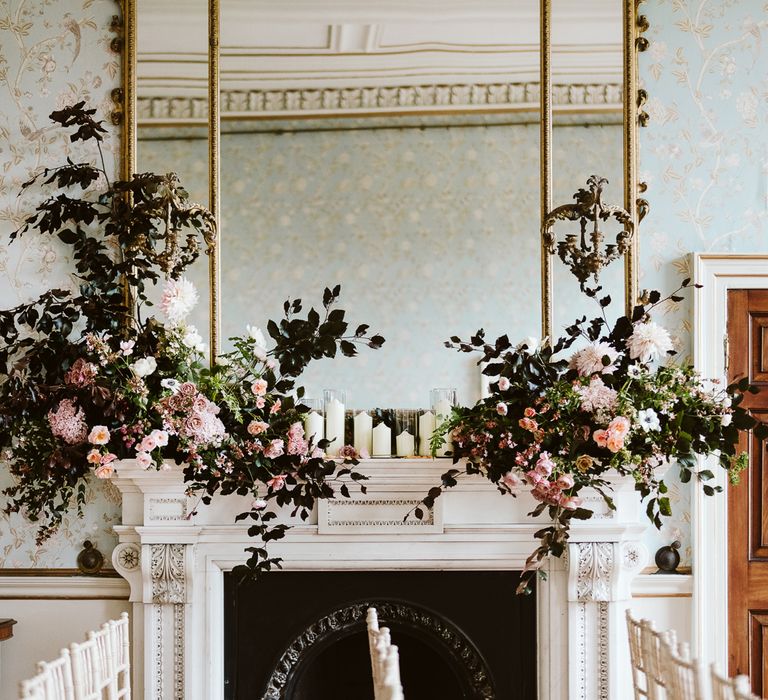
[[177, 557], [453, 629]]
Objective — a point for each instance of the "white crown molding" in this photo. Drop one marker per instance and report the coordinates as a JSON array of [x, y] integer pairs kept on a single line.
[[662, 586], [31, 586], [380, 100]]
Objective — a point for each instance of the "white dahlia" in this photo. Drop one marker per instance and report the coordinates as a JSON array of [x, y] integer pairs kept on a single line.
[[649, 341], [589, 360], [179, 298]]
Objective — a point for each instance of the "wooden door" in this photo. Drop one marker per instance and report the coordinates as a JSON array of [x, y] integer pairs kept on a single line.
[[748, 501]]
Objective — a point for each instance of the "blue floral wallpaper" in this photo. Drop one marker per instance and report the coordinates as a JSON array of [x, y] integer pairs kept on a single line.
[[51, 54]]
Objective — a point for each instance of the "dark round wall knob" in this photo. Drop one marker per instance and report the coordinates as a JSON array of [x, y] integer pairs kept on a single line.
[[668, 558], [90, 560]]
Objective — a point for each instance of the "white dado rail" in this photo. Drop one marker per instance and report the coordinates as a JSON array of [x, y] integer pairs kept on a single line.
[[175, 566]]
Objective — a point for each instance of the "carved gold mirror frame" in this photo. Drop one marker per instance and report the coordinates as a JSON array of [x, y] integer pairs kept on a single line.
[[633, 25]]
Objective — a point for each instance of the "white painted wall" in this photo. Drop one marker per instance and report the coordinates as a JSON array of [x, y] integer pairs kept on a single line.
[[46, 625]]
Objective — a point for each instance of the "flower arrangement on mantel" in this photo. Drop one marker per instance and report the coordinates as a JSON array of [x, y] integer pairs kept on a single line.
[[90, 379], [554, 424]]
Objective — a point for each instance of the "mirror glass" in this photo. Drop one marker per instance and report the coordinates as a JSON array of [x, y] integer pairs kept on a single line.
[[587, 138], [392, 149], [172, 110]]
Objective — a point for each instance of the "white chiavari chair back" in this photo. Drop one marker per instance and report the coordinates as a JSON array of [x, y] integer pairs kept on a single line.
[[724, 688], [87, 670], [653, 644], [121, 656], [639, 671], [52, 682], [385, 661], [33, 689], [683, 675]]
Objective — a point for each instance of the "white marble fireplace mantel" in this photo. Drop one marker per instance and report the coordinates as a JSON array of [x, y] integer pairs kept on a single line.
[[175, 566]]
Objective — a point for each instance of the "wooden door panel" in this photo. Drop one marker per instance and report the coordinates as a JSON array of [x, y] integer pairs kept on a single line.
[[748, 501]]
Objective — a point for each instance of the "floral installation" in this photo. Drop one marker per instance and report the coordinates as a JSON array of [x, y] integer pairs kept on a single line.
[[556, 423], [91, 379]]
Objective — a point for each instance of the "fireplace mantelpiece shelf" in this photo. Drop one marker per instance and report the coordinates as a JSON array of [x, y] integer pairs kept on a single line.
[[175, 562]]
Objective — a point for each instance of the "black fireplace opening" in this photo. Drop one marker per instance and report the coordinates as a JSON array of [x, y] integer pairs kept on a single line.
[[462, 635]]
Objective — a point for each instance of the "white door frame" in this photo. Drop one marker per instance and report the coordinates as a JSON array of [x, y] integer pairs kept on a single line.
[[718, 273]]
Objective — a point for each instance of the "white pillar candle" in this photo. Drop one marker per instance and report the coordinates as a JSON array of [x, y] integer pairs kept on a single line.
[[313, 426], [363, 432], [426, 428], [334, 426], [406, 445], [442, 412], [382, 441]]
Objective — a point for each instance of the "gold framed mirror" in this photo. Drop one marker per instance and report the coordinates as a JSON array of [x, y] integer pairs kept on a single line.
[[268, 107]]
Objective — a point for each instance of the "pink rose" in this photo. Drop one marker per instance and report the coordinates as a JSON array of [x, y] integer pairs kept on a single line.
[[565, 481], [94, 456], [258, 504], [188, 389], [257, 427], [104, 471], [109, 457], [600, 437], [274, 449], [160, 437], [144, 460], [99, 435], [614, 442], [503, 383], [511, 480], [501, 409], [275, 407], [276, 483], [147, 444], [619, 426], [533, 477], [529, 412], [528, 424], [259, 387], [570, 502], [261, 402], [544, 464]]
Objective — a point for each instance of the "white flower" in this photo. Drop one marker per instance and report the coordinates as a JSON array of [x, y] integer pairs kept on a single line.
[[126, 347], [727, 401], [193, 340], [223, 361], [634, 371], [589, 360], [256, 335], [649, 341], [503, 383], [530, 345], [725, 419], [179, 298], [172, 384], [144, 366], [648, 419]]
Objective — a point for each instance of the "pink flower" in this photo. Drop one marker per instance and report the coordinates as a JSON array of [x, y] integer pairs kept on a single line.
[[596, 396], [257, 427], [99, 435], [160, 437], [68, 422], [619, 426], [277, 482], [104, 471], [528, 424], [544, 464], [188, 389], [126, 347], [275, 407], [511, 480], [258, 504], [529, 412], [349, 452], [600, 437], [570, 502], [501, 409], [261, 402], [565, 481], [274, 449], [94, 456], [614, 442], [147, 444], [143, 460], [80, 374], [259, 387], [109, 457], [503, 383], [533, 477]]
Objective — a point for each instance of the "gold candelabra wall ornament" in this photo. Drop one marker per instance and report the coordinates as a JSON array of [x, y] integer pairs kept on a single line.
[[586, 253]]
